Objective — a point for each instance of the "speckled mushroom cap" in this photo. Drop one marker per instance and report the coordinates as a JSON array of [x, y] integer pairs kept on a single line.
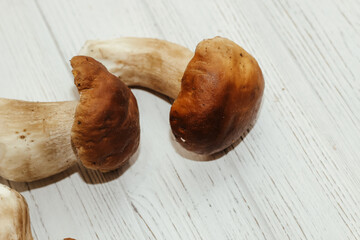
[[220, 96], [106, 131]]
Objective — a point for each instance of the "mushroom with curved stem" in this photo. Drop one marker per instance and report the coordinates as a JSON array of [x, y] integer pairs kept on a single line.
[[14, 215], [217, 90], [39, 139]]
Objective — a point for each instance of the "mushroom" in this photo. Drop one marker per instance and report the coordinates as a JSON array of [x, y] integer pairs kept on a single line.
[[40, 139], [14, 215], [217, 90]]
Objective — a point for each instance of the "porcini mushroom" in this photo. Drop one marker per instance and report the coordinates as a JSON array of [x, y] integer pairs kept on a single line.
[[14, 215], [39, 139], [217, 90]]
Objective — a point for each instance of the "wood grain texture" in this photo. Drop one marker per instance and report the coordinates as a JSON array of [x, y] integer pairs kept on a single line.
[[295, 174]]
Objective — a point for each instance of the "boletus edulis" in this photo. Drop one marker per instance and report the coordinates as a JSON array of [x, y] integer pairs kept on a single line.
[[40, 139], [217, 90], [217, 93]]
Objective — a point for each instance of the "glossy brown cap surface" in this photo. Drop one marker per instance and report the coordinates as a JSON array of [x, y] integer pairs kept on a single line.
[[106, 129], [220, 96]]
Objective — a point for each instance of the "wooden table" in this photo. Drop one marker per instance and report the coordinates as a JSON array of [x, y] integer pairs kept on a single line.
[[295, 175]]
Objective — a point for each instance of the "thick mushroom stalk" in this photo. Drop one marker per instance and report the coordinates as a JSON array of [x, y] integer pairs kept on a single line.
[[217, 90], [35, 139], [145, 62], [14, 215], [38, 140]]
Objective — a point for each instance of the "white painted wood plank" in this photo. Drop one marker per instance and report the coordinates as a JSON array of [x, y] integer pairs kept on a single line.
[[31, 66], [294, 119], [82, 20], [293, 177], [335, 160], [293, 113]]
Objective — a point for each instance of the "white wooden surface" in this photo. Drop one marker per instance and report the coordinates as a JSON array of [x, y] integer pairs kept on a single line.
[[295, 175]]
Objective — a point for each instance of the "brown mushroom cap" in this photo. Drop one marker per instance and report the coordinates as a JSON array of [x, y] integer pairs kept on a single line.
[[220, 96], [106, 131]]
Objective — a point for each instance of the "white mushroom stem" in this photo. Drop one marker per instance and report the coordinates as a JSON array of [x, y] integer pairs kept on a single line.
[[151, 63], [35, 137], [14, 215]]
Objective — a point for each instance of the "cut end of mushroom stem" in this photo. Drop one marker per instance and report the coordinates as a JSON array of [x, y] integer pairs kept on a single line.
[[14, 215]]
